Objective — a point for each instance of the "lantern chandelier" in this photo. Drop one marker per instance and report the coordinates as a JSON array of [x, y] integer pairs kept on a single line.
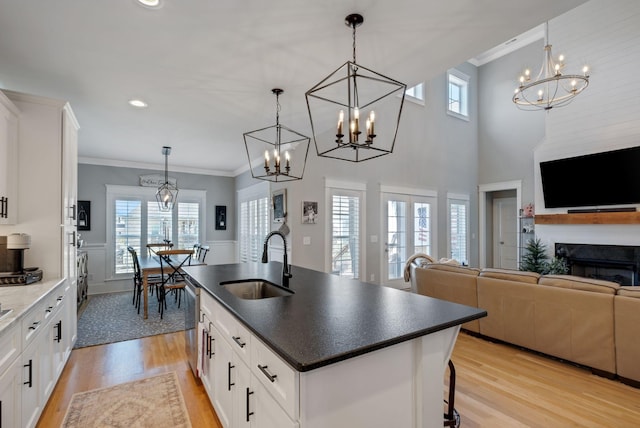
[[284, 151], [346, 94], [167, 194], [550, 88]]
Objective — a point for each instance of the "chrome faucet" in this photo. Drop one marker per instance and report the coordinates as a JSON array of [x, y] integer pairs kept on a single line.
[[286, 273]]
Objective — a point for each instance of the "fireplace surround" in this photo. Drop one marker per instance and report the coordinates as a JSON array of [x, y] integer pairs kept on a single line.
[[617, 263]]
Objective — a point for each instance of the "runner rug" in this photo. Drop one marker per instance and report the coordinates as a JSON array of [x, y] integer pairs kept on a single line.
[[152, 402]]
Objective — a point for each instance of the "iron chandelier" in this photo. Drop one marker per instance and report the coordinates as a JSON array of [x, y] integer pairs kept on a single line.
[[281, 150], [346, 94], [167, 194]]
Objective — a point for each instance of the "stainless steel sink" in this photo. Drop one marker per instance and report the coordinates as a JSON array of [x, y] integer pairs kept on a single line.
[[253, 290]]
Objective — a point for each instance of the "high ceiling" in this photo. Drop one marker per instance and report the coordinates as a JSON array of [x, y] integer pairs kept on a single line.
[[207, 67]]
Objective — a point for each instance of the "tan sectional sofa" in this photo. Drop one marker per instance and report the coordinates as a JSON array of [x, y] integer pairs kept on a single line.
[[587, 321], [627, 322]]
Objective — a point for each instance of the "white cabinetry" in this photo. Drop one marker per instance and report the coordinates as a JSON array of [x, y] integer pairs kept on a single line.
[[33, 352], [10, 378], [398, 385], [8, 161], [237, 394], [47, 183]]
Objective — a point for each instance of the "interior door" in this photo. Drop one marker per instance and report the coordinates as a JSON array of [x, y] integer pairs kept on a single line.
[[505, 236], [407, 227]]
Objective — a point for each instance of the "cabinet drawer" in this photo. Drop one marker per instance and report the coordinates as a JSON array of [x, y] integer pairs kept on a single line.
[[34, 322], [9, 347], [276, 376], [233, 331], [207, 304]]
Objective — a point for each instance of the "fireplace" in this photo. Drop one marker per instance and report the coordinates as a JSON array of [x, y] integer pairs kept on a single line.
[[617, 263]]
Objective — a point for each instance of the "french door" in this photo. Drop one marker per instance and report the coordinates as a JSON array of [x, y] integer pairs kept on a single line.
[[408, 228]]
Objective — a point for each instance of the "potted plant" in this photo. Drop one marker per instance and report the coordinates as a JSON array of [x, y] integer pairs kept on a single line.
[[535, 259]]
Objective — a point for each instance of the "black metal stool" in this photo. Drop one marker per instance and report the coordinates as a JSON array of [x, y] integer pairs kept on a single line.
[[452, 417]]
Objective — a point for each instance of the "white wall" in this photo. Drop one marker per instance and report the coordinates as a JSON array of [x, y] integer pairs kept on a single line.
[[604, 34]]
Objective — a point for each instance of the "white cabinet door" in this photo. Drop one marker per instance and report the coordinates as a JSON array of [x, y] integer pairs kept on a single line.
[[10, 382], [8, 161], [268, 413], [33, 380], [207, 349], [243, 395], [70, 320], [223, 380]]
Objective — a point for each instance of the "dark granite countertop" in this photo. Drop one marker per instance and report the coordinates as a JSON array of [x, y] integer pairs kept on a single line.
[[329, 318]]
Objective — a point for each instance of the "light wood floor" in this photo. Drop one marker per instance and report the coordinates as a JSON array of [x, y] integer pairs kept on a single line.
[[497, 385], [108, 365]]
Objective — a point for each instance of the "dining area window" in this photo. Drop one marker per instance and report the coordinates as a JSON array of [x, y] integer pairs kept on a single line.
[[135, 220]]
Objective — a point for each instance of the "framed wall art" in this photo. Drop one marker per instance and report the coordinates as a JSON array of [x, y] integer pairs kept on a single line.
[[84, 215], [279, 201], [309, 212], [221, 217]]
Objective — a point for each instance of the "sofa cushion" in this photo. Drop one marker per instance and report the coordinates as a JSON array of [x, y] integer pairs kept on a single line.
[[454, 269], [629, 291], [627, 320], [447, 282], [580, 283], [511, 275]]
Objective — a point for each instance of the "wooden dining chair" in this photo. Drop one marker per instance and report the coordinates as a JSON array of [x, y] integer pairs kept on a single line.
[[152, 280], [171, 263], [202, 254]]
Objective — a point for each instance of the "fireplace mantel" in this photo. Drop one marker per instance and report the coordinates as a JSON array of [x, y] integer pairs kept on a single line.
[[589, 218]]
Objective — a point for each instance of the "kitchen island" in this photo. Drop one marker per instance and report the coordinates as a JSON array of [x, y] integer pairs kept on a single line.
[[359, 354]]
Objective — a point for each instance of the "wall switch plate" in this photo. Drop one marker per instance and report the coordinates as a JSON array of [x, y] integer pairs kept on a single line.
[[306, 240], [374, 238]]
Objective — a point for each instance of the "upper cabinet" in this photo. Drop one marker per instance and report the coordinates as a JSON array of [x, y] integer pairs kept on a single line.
[[47, 183], [8, 161]]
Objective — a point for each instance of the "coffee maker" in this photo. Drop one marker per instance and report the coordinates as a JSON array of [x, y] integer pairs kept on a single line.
[[12, 270]]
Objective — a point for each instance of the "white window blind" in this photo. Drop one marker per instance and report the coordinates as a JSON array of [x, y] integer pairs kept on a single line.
[[253, 221], [159, 223], [345, 235], [188, 224], [128, 232], [134, 219], [458, 230]]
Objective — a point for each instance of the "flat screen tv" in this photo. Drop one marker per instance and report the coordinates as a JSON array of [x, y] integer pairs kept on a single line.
[[594, 180]]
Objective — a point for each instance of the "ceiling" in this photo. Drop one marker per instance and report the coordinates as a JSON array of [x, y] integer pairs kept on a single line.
[[206, 67]]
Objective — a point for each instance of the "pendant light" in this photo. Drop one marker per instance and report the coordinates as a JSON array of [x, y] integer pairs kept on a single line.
[[167, 194], [277, 153], [550, 88], [361, 97]]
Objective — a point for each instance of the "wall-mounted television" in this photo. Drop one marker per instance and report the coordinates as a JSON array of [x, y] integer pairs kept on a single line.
[[594, 180]]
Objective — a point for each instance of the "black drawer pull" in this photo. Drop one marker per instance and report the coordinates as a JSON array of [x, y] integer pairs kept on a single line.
[[229, 375], [269, 376], [211, 340], [248, 412], [59, 328], [238, 342], [34, 325], [29, 382]]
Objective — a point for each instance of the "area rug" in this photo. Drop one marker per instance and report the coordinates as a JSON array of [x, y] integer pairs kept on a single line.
[[112, 317], [152, 402]]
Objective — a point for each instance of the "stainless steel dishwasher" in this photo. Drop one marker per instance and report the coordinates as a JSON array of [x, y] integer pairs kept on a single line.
[[191, 318]]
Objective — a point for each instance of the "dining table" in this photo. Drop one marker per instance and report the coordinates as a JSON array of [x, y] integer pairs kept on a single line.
[[150, 265]]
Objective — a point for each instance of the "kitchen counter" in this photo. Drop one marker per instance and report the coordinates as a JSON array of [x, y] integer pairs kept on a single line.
[[21, 298], [329, 319]]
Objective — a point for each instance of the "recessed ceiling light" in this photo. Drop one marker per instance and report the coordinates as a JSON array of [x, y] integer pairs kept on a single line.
[[138, 103], [152, 4]]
